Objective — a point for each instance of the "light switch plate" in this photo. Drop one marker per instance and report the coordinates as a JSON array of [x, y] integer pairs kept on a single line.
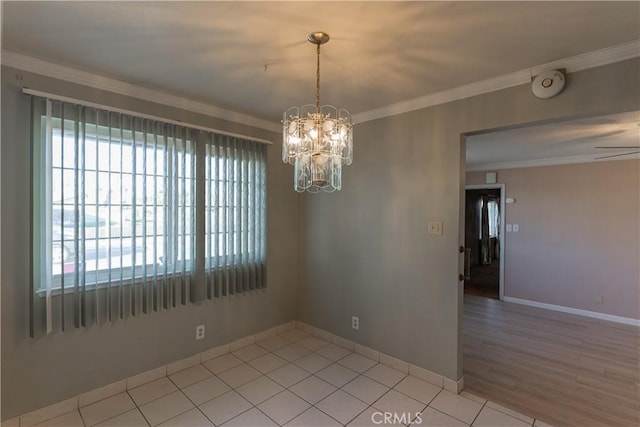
[[516, 227], [435, 228], [509, 227]]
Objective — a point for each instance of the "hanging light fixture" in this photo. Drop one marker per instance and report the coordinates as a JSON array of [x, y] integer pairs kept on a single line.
[[317, 140]]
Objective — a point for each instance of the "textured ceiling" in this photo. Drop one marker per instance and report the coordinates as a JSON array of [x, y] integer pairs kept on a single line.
[[252, 57]]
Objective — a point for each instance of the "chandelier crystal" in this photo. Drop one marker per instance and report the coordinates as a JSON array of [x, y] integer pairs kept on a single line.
[[317, 140]]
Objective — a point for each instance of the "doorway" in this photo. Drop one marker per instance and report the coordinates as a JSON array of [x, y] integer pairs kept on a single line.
[[484, 240]]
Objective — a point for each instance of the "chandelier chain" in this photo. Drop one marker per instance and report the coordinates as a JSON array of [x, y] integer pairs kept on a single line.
[[318, 76]]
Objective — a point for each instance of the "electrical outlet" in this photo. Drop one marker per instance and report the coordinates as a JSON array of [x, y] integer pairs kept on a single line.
[[516, 228], [199, 332], [600, 300], [355, 322]]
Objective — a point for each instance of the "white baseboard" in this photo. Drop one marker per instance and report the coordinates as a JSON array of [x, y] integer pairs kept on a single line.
[[454, 386], [40, 415], [578, 311]]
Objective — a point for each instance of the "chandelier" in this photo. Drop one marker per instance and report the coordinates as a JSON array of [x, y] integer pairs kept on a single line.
[[317, 140]]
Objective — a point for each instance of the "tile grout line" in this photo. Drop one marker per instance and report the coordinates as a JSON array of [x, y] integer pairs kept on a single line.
[[312, 374], [360, 374], [449, 415], [334, 392], [234, 388], [198, 406], [81, 417], [117, 415], [187, 397], [478, 414], [228, 385], [138, 407], [262, 374], [312, 405]]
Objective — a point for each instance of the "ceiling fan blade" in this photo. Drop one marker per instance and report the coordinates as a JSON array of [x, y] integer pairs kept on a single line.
[[622, 147], [610, 133], [618, 155]]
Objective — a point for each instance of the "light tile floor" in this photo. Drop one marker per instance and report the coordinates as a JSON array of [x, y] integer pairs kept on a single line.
[[292, 379]]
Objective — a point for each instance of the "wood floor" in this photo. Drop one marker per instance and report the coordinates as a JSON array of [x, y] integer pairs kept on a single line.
[[484, 280], [560, 368]]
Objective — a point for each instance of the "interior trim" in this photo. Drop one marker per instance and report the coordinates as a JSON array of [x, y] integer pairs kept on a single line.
[[572, 64], [555, 161], [580, 62], [53, 96], [578, 311], [85, 78]]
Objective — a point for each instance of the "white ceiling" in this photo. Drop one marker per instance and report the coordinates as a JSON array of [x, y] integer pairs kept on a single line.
[[572, 141], [252, 57]]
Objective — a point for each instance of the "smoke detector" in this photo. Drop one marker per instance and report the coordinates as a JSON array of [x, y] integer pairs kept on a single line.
[[548, 84]]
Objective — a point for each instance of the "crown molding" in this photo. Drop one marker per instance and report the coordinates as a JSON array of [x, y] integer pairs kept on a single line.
[[556, 161], [572, 64], [461, 92], [85, 78]]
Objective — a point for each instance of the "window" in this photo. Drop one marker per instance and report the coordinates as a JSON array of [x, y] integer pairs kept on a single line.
[[492, 208], [115, 208], [117, 199], [493, 215]]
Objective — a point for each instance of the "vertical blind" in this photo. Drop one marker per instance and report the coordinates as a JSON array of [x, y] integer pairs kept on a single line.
[[115, 214], [235, 202]]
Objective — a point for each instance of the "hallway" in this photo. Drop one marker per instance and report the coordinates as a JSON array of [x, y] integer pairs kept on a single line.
[[485, 280]]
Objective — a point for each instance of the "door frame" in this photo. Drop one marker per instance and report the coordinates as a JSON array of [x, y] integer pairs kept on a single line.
[[503, 230]]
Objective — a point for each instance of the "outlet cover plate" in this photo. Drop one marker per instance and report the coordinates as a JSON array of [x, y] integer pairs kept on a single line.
[[199, 332]]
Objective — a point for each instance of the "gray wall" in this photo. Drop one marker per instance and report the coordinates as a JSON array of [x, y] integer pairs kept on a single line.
[[363, 251], [38, 372], [366, 249]]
